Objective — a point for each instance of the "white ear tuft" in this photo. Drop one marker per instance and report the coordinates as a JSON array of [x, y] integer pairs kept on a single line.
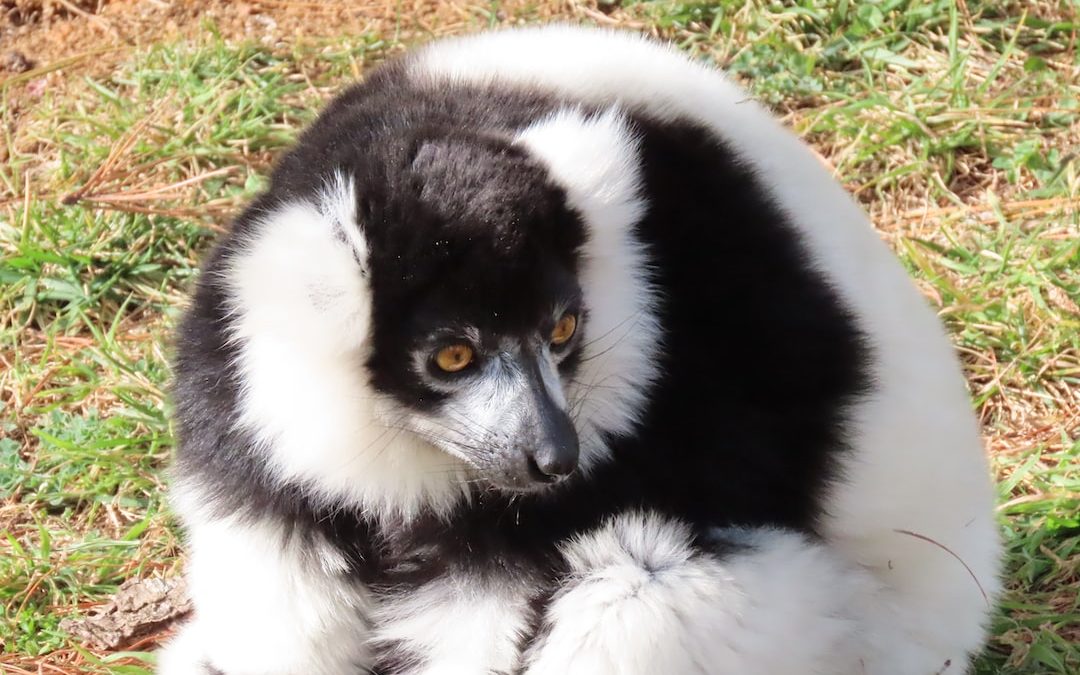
[[337, 204], [595, 158], [299, 276]]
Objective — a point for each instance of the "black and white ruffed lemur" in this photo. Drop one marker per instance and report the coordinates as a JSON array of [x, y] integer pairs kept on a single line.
[[548, 351]]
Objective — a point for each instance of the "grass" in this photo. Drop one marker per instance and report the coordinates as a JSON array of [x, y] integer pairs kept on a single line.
[[955, 124], [185, 133]]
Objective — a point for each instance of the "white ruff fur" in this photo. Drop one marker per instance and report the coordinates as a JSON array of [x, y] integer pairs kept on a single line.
[[456, 626], [868, 599], [301, 308]]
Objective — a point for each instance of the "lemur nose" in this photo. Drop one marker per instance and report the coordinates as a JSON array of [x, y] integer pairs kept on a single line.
[[556, 454]]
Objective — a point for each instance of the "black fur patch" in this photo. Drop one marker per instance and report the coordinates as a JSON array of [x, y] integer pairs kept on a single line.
[[468, 230]]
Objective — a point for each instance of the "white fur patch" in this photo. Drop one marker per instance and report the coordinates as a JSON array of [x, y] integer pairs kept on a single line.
[[896, 463], [456, 626], [641, 599], [265, 604], [595, 159], [301, 308]]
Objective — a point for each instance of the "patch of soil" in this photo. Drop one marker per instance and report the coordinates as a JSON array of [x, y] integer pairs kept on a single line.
[[22, 12]]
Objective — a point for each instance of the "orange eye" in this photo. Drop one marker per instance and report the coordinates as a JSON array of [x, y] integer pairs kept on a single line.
[[564, 330], [454, 358]]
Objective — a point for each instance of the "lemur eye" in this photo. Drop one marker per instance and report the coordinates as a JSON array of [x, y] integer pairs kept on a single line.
[[454, 358], [564, 330]]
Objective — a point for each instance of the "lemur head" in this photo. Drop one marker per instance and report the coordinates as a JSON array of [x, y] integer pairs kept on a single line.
[[434, 309], [477, 313]]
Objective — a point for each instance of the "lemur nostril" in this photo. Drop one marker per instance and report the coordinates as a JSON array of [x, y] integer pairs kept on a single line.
[[536, 473]]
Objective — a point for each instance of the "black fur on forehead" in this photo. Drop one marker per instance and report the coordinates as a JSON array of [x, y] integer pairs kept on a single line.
[[484, 187], [434, 193], [451, 210]]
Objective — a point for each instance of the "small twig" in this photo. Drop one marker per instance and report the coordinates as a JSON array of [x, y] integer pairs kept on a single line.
[[184, 212], [26, 204], [1022, 207], [160, 192], [945, 548], [41, 385], [56, 65], [316, 6]]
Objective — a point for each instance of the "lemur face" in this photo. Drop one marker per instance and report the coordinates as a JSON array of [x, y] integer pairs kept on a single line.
[[477, 311], [420, 312]]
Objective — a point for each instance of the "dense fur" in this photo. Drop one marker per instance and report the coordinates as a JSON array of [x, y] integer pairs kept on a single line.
[[771, 423]]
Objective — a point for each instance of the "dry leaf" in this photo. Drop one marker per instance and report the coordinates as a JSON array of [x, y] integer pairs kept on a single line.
[[1060, 299]]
